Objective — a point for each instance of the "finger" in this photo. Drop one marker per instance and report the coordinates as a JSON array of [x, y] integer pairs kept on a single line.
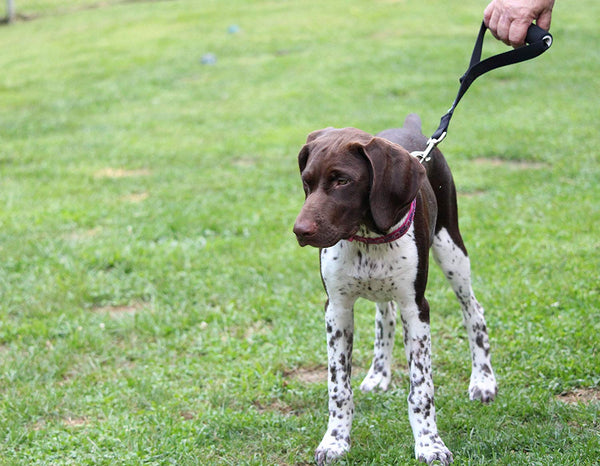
[[487, 14], [543, 20], [517, 33], [492, 23], [503, 29]]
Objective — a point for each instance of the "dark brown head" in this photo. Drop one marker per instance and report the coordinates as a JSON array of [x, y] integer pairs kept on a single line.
[[351, 179]]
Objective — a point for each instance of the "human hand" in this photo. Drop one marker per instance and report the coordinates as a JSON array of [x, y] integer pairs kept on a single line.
[[508, 20]]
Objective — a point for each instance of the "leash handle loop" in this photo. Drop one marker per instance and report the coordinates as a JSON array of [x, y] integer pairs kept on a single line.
[[538, 41]]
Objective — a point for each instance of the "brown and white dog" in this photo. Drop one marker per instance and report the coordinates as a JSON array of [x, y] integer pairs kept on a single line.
[[374, 211]]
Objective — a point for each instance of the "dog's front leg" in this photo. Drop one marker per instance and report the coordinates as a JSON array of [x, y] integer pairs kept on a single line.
[[339, 319], [429, 447]]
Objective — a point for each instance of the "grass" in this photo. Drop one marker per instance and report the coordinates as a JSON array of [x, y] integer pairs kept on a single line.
[[154, 305]]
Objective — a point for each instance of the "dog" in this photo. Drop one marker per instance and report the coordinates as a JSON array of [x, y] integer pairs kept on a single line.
[[375, 211]]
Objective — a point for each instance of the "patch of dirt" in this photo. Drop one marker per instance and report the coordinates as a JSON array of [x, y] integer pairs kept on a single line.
[[136, 198], [244, 162], [83, 234], [118, 311], [19, 16], [468, 194], [275, 405], [39, 425], [580, 395], [315, 374], [75, 421], [121, 173], [187, 415], [67, 422]]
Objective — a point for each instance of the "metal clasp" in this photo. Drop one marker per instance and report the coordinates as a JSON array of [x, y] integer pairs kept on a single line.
[[423, 156]]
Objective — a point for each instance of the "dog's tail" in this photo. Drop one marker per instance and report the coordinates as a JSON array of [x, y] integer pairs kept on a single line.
[[412, 122]]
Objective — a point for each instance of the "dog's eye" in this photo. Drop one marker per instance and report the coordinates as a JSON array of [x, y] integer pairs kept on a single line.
[[338, 179], [306, 187], [342, 181]]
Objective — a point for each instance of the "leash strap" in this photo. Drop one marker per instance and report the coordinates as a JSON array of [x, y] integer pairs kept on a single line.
[[538, 41]]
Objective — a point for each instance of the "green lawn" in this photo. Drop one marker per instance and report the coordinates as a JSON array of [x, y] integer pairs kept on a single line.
[[155, 307]]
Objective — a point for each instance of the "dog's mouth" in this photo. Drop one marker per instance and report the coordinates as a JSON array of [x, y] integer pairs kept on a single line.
[[316, 243], [319, 240]]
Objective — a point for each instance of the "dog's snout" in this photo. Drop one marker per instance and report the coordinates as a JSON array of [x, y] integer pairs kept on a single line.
[[305, 228]]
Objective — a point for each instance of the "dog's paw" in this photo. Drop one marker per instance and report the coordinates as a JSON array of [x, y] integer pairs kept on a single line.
[[483, 387], [330, 450], [432, 449], [376, 380]]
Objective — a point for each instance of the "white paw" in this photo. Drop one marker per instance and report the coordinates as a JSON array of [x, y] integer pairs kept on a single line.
[[331, 449], [376, 381], [430, 449], [483, 387]]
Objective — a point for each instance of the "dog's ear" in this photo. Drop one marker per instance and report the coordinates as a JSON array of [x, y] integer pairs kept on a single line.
[[303, 155], [396, 177]]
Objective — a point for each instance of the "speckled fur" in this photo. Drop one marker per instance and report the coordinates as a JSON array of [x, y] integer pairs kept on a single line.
[[394, 276]]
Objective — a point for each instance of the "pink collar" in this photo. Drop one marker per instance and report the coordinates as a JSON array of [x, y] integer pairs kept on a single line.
[[392, 236]]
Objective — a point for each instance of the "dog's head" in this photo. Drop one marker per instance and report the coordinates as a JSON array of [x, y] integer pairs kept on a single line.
[[350, 179]]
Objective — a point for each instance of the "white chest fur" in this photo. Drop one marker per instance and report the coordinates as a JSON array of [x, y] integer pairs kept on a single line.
[[378, 272]]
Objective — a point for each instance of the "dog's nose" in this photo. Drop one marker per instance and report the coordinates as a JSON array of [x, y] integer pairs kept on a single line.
[[304, 228]]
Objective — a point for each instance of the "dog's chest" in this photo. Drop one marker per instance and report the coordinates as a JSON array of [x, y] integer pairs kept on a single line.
[[376, 272]]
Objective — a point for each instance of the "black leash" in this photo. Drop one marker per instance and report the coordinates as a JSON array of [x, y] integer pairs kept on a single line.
[[538, 41]]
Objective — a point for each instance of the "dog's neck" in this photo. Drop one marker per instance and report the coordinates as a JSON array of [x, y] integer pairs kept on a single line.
[[397, 232]]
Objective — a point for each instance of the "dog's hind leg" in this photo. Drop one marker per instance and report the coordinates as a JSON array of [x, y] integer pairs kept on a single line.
[[380, 373], [451, 256]]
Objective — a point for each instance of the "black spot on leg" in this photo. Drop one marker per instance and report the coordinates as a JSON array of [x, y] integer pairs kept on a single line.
[[479, 340], [379, 328]]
